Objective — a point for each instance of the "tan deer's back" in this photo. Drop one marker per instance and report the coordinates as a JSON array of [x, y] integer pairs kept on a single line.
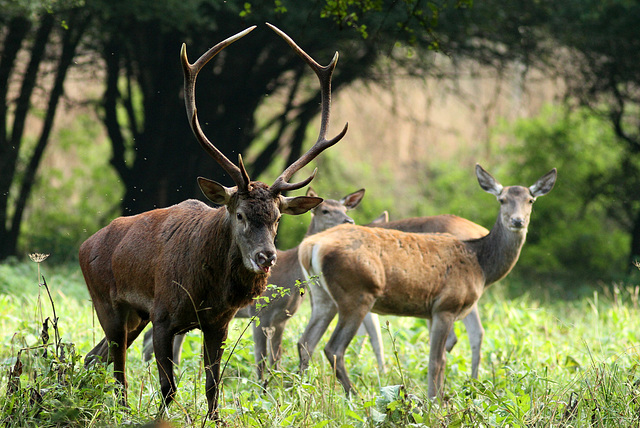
[[410, 274]]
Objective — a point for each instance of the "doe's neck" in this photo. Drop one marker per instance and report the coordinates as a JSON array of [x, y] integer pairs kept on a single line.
[[498, 251]]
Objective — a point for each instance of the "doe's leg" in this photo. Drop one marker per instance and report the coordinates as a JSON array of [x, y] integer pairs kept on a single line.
[[441, 325], [475, 331], [372, 325]]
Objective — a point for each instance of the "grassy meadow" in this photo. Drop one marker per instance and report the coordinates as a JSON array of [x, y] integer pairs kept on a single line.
[[546, 362]]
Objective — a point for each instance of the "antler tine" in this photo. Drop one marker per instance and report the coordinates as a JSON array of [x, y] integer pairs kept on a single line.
[[324, 76], [238, 174]]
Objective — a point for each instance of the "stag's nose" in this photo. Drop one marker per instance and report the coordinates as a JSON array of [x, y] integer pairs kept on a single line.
[[266, 260]]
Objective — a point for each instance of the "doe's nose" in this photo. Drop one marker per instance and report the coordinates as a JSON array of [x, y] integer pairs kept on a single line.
[[348, 220], [517, 222]]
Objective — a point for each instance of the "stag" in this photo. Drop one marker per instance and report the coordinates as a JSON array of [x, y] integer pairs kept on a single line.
[[287, 274], [191, 266], [434, 276]]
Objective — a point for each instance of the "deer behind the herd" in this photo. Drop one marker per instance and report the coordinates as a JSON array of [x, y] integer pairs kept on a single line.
[[191, 266]]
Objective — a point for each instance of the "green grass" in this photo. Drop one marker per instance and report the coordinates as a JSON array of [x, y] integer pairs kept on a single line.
[[545, 363]]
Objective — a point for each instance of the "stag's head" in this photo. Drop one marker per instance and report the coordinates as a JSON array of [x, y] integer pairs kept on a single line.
[[516, 202], [254, 208]]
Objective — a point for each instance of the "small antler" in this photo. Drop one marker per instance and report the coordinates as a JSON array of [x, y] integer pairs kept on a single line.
[[324, 76], [237, 173]]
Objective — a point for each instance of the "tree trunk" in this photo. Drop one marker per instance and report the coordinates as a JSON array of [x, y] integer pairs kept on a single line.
[[10, 144], [77, 24], [634, 253]]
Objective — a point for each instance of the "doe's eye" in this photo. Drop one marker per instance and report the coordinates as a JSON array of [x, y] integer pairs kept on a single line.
[[325, 212], [502, 201], [239, 216]]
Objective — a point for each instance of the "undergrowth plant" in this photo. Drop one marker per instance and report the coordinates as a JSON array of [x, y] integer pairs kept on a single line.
[[546, 362]]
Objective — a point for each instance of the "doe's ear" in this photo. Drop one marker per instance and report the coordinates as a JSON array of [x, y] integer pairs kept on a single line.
[[299, 204], [544, 183], [352, 199], [381, 219], [216, 192], [487, 182], [311, 192]]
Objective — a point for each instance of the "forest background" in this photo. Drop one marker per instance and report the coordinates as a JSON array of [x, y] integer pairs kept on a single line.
[[93, 126]]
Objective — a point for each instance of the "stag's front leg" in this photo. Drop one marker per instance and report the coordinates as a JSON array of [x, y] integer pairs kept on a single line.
[[213, 339], [441, 325], [162, 346]]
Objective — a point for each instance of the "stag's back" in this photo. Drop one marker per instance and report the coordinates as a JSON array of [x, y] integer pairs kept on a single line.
[[123, 262]]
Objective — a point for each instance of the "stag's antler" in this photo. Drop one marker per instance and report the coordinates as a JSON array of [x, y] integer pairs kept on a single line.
[[237, 173], [324, 76]]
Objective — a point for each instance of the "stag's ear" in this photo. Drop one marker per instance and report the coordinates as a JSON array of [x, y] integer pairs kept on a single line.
[[299, 204], [544, 183], [487, 182], [352, 199], [216, 192]]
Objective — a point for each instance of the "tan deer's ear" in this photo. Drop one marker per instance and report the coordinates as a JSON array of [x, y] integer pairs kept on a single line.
[[299, 204], [216, 192]]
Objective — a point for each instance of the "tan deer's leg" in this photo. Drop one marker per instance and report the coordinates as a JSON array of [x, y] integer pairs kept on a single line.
[[441, 325], [323, 310]]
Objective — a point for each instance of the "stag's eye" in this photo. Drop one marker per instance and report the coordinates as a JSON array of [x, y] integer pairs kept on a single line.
[[502, 201], [532, 200], [239, 217]]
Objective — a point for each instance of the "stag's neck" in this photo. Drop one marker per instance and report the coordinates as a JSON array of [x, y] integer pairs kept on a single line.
[[223, 263], [498, 252]]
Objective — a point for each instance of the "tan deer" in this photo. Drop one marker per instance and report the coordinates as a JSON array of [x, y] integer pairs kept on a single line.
[[191, 266], [434, 276], [273, 317], [464, 230]]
